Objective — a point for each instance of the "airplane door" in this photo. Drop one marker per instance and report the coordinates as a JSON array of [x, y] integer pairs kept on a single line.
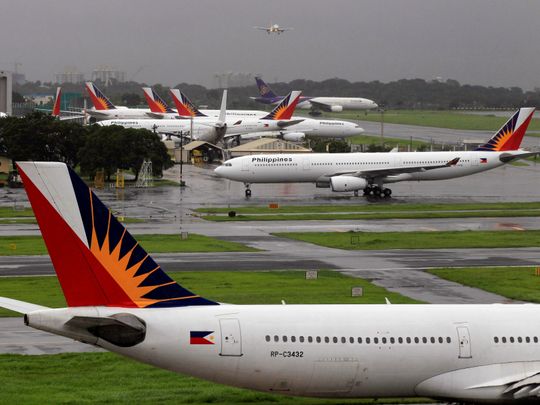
[[306, 163], [475, 161], [464, 341], [245, 165], [231, 338]]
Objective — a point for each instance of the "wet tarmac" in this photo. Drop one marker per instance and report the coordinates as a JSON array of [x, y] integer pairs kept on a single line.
[[169, 210]]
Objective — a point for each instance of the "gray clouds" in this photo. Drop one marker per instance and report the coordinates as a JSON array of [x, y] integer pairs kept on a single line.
[[487, 42]]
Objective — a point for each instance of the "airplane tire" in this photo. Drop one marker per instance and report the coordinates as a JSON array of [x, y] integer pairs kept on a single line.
[[248, 192], [367, 191], [377, 191], [387, 192], [356, 193]]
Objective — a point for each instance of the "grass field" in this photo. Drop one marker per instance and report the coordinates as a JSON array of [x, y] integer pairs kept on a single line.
[[227, 286], [392, 142], [437, 119], [105, 378], [517, 283], [418, 240], [372, 211], [34, 245]]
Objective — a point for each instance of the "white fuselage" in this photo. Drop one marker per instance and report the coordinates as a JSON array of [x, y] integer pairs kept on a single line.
[[119, 113], [469, 352], [346, 103], [203, 127], [311, 168]]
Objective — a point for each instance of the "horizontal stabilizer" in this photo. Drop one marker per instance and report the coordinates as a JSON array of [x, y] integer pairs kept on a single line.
[[21, 307], [508, 157]]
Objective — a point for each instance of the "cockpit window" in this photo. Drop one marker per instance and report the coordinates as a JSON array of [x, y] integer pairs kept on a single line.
[[227, 164]]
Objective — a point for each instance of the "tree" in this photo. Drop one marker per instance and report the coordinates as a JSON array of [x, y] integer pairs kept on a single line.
[[113, 147]]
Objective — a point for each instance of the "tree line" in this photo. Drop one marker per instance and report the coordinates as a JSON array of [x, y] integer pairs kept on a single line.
[[405, 93], [40, 137]]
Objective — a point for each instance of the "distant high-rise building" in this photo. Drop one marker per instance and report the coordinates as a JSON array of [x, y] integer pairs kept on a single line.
[[5, 92], [105, 74], [69, 75]]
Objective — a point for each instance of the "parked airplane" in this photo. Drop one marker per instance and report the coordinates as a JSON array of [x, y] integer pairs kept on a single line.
[[158, 107], [213, 130], [293, 133], [274, 29], [105, 109], [370, 171], [121, 300], [330, 104]]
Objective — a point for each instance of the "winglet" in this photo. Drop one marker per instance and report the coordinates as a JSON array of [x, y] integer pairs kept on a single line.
[[511, 134], [285, 109], [155, 102], [184, 106], [100, 101], [58, 98]]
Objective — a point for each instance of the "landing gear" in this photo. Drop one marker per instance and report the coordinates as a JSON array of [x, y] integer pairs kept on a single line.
[[376, 191], [356, 193], [248, 190]]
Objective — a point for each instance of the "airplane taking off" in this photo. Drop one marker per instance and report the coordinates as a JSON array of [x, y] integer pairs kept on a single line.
[[105, 109], [344, 172], [329, 104], [274, 29], [121, 300], [214, 130]]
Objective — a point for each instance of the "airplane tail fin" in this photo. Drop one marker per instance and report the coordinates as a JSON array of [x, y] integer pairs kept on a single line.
[[184, 106], [100, 101], [511, 134], [58, 98], [97, 261], [155, 102], [285, 109], [264, 90]]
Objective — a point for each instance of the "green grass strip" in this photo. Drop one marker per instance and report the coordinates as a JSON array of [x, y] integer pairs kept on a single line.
[[34, 245], [9, 212], [437, 119], [418, 240], [106, 378], [227, 286], [517, 283], [401, 215], [379, 207]]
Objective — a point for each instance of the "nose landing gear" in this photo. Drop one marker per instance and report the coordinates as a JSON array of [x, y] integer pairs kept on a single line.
[[248, 190]]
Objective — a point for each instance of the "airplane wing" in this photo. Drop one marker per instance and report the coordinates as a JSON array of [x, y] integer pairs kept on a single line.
[[392, 171], [321, 106], [261, 28]]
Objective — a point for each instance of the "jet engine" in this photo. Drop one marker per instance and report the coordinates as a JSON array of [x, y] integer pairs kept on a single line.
[[336, 108], [347, 183], [294, 136]]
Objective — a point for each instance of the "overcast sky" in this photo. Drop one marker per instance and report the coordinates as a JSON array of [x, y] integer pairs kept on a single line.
[[486, 42]]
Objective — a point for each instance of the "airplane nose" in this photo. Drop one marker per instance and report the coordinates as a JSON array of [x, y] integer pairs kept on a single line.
[[375, 105], [219, 171]]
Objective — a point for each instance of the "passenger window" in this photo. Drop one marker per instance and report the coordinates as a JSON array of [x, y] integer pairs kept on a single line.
[[367, 340], [441, 340], [284, 338], [293, 339], [504, 339], [400, 340], [310, 339], [535, 339], [334, 339], [268, 338], [416, 340], [496, 339], [528, 339], [383, 340], [327, 339], [448, 340], [519, 339], [276, 338], [301, 338], [360, 340], [318, 339], [424, 340], [408, 340], [376, 340], [432, 340], [343, 340], [392, 340], [511, 339], [351, 340]]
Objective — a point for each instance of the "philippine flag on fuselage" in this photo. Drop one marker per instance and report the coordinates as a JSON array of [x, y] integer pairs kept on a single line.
[[483, 160], [201, 337]]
